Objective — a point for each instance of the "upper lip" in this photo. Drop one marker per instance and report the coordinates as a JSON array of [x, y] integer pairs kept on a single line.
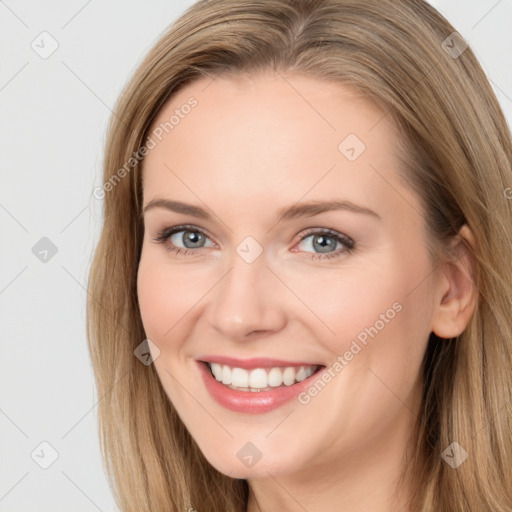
[[254, 362]]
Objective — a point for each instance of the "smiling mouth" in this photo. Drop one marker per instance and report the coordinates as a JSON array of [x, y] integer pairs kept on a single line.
[[260, 379]]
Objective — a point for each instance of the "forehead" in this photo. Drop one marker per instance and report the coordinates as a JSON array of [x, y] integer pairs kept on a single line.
[[271, 138]]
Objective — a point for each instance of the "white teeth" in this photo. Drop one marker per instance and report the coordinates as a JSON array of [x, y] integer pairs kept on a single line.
[[216, 370], [275, 377], [301, 374], [239, 377], [260, 378], [289, 376], [226, 375]]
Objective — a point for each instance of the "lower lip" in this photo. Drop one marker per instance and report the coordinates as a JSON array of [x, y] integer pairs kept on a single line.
[[252, 402]]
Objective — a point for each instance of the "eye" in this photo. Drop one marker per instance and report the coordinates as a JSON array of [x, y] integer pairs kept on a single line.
[[318, 243], [325, 243], [183, 239]]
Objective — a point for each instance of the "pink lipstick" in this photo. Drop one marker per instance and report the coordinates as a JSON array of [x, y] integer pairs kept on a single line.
[[256, 401]]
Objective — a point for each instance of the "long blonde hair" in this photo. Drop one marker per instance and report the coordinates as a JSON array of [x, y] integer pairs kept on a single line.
[[458, 158]]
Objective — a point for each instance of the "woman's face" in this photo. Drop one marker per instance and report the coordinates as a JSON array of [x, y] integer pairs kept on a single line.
[[298, 244]]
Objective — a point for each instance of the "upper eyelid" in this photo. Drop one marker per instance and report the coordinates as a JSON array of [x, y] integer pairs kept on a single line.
[[183, 227]]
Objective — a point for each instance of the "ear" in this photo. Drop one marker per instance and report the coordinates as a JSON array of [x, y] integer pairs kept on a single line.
[[456, 293]]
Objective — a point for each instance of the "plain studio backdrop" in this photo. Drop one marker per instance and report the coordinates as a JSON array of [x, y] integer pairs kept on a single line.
[[63, 67]]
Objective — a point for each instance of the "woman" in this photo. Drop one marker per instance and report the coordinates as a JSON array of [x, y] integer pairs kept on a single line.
[[301, 296]]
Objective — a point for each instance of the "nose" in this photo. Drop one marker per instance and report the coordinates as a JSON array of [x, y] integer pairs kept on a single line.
[[248, 301]]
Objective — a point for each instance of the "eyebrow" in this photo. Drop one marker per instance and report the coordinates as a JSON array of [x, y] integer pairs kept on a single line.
[[306, 209]]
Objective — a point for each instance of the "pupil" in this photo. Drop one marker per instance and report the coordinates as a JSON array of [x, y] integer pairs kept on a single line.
[[323, 243], [193, 238]]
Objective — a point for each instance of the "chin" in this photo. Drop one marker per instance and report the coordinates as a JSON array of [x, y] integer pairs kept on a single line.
[[247, 462]]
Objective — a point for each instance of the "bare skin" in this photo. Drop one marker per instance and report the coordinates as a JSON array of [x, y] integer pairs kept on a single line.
[[252, 146]]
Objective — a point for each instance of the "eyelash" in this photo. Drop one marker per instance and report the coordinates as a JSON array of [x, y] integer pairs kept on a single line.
[[349, 244]]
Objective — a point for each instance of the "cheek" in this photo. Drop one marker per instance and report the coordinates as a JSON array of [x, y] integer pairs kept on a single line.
[[165, 295], [376, 315], [343, 302]]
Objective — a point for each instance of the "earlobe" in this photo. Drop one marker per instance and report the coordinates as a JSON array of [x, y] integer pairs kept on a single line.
[[456, 293]]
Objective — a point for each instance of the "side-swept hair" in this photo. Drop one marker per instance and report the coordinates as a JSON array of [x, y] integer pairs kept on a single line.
[[458, 155]]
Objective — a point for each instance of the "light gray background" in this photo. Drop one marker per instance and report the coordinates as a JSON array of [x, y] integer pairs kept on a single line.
[[53, 116]]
